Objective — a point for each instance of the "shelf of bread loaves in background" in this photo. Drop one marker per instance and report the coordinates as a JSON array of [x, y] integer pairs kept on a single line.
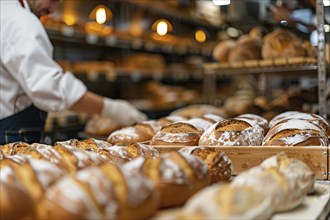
[[247, 139], [93, 179], [279, 51]]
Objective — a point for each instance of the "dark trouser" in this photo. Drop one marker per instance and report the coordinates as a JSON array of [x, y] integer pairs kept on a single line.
[[26, 126]]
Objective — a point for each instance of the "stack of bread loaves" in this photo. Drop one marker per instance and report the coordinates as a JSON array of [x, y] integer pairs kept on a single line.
[[279, 183]]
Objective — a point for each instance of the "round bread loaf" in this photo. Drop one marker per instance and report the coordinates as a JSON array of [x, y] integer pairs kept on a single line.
[[219, 165], [170, 119], [129, 135], [107, 192], [312, 118], [256, 119], [222, 50], [247, 48], [296, 132], [176, 176], [101, 126], [185, 133], [281, 43], [232, 132]]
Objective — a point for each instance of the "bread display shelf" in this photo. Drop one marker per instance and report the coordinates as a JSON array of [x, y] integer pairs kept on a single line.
[[245, 157], [299, 65]]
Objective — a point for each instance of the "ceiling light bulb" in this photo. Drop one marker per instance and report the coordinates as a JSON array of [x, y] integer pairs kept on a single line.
[[221, 2], [200, 36], [101, 16], [162, 28]]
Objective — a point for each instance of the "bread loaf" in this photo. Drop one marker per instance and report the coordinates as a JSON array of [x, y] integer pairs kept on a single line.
[[219, 165], [256, 119], [296, 132], [295, 170], [101, 126], [222, 201], [312, 118], [247, 48], [281, 43], [129, 135], [285, 194], [181, 133], [15, 203], [232, 132], [108, 192], [212, 118], [222, 50], [176, 176]]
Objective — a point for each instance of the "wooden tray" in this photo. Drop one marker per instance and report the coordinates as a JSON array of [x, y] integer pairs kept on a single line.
[[245, 157]]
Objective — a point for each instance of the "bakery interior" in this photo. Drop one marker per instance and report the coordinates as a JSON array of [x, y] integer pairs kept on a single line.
[[211, 69]]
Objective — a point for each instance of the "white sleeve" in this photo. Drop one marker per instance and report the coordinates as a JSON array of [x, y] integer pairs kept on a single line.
[[28, 57]]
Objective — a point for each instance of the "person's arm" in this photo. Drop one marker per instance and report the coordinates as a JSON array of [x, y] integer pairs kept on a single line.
[[119, 110], [283, 13], [90, 103]]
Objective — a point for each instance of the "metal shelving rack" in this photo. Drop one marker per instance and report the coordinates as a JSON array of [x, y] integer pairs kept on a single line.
[[318, 69]]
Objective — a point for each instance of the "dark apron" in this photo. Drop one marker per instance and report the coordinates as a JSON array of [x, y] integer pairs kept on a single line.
[[26, 126]]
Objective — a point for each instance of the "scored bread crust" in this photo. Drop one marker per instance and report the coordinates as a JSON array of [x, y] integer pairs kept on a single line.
[[176, 176], [232, 132], [219, 165]]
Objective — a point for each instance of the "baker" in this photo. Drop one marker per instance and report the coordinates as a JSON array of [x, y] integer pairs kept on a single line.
[[32, 83]]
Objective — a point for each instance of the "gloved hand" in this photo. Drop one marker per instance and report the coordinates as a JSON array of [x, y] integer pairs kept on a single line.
[[122, 112]]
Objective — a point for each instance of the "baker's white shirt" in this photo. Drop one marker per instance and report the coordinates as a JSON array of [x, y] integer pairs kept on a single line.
[[28, 74]]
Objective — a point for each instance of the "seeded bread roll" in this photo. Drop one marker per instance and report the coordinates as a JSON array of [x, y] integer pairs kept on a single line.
[[281, 43], [195, 111], [295, 170], [176, 176], [107, 192], [222, 201], [219, 165], [296, 132], [285, 194], [232, 132], [181, 133]]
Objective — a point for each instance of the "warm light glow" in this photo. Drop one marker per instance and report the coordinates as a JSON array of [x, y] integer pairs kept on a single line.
[[221, 2], [326, 28], [326, 3], [162, 28], [69, 19], [101, 16], [200, 36]]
